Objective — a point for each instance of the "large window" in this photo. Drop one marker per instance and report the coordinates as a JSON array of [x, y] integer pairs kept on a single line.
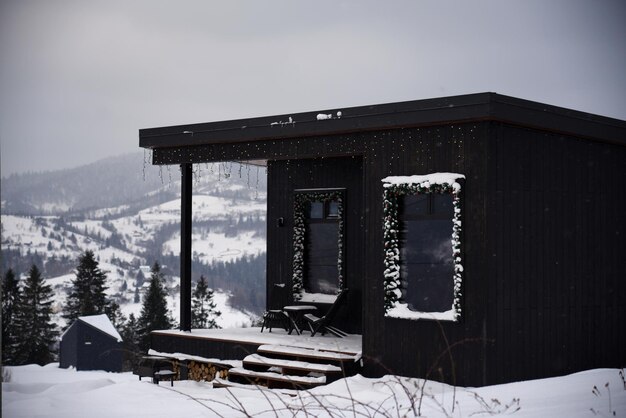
[[422, 228], [426, 263], [318, 244]]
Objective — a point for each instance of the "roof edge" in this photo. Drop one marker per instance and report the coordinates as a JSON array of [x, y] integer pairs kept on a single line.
[[435, 111]]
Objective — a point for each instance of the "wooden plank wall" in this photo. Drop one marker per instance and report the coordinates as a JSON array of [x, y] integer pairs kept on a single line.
[[421, 348], [560, 238], [220, 349]]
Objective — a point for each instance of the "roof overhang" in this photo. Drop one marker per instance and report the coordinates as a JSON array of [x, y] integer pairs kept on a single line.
[[428, 112]]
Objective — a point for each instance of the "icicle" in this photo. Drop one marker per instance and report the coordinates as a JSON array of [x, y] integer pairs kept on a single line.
[[248, 173], [256, 195], [144, 164]]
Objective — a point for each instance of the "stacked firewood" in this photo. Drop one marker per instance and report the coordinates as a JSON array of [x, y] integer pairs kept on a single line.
[[205, 371], [176, 369]]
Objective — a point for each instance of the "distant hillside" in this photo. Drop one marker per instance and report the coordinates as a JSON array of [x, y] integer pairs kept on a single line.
[[123, 181], [50, 219]]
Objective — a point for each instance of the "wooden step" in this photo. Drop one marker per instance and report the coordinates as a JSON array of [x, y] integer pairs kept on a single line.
[[224, 383], [258, 362], [307, 355], [274, 380]]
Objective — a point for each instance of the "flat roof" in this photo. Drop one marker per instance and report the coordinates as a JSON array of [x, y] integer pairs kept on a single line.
[[427, 112]]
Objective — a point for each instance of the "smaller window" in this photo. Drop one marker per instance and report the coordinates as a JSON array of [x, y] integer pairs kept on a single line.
[[316, 210], [333, 209]]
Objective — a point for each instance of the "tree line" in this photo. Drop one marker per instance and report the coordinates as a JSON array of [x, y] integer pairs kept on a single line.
[[30, 336]]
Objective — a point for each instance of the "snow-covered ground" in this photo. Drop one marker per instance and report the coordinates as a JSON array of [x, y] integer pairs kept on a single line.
[[34, 391]]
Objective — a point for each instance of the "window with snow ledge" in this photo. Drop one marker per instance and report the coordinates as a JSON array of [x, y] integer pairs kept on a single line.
[[422, 226], [318, 245]]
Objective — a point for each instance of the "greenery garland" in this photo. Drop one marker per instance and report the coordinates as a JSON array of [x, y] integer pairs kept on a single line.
[[391, 228], [301, 202]]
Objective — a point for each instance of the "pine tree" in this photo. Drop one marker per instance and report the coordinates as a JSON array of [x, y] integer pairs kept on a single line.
[[87, 295], [130, 333], [11, 297], [203, 312], [37, 333], [114, 312], [154, 312]]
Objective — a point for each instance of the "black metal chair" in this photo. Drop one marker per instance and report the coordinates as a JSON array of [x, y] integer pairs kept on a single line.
[[275, 315], [323, 324]]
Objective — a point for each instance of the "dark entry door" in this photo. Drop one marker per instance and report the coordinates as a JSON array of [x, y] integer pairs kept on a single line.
[[286, 178]]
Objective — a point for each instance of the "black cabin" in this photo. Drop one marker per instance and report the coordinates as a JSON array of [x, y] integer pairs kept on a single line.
[[92, 343], [491, 252]]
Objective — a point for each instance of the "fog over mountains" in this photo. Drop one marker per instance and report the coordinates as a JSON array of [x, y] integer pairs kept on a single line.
[[128, 212]]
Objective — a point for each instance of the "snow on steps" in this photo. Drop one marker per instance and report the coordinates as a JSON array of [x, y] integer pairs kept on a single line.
[[274, 380], [308, 354], [288, 366], [293, 367], [219, 382]]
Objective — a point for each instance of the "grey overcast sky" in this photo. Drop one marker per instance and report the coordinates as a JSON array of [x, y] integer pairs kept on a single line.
[[79, 78]]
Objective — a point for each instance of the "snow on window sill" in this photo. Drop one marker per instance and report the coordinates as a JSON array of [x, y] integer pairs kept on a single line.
[[402, 311], [317, 298]]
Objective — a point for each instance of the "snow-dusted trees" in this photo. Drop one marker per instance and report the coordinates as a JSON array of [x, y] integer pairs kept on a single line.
[[11, 294], [37, 333], [154, 312], [130, 334], [204, 310], [87, 296]]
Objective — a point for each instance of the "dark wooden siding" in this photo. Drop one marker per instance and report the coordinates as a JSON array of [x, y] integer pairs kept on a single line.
[[203, 347], [559, 240], [420, 348], [67, 347], [104, 352]]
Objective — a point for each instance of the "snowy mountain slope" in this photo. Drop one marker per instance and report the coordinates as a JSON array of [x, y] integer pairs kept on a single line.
[[229, 225]]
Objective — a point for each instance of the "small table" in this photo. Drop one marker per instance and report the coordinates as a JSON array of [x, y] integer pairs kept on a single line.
[[296, 316], [164, 374]]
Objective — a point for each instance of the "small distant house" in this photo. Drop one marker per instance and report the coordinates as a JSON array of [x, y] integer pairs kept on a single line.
[[92, 343], [481, 237]]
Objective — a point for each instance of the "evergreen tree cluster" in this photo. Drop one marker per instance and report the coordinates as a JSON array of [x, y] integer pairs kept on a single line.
[[30, 336]]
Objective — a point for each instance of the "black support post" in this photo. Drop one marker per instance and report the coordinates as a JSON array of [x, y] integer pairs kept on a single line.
[[185, 247]]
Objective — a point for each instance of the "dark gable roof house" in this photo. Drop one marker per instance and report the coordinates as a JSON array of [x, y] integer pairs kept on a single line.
[[92, 343], [481, 237]]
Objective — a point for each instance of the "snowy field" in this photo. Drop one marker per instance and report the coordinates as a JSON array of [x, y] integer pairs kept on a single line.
[[34, 391]]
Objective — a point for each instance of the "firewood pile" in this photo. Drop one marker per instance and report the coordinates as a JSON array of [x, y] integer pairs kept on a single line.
[[206, 371]]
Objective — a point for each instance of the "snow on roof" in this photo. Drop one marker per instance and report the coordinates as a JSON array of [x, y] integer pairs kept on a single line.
[[434, 178], [103, 323]]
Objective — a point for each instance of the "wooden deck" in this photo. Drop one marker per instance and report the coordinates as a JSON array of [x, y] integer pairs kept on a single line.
[[237, 343]]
